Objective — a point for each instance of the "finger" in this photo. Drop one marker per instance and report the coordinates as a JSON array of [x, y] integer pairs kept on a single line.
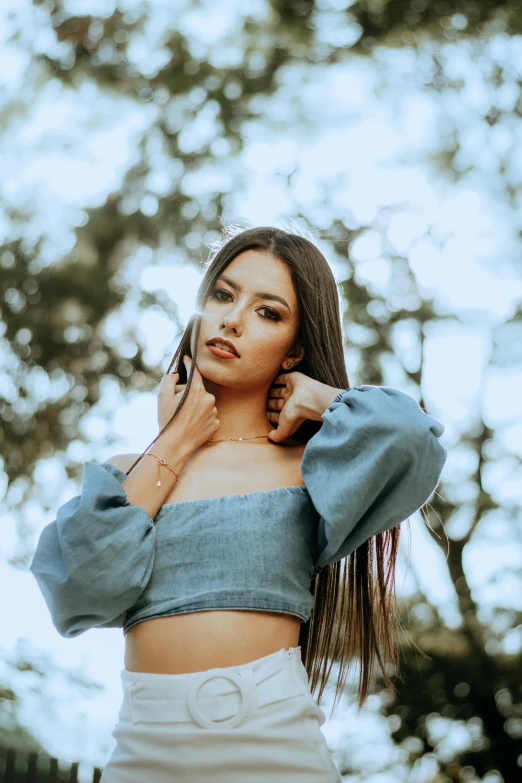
[[277, 435], [167, 381], [282, 432], [273, 417], [187, 360], [286, 427]]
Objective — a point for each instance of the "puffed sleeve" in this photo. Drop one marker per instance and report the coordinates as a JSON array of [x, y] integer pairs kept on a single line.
[[375, 461], [94, 560]]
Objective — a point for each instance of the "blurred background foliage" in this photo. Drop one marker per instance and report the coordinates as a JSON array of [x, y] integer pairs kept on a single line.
[[59, 284]]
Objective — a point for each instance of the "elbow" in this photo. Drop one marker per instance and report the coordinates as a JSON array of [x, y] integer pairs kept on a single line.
[[73, 617], [71, 627], [87, 600], [427, 463], [435, 453]]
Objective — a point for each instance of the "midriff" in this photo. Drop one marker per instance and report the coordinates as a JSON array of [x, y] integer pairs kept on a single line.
[[197, 641]]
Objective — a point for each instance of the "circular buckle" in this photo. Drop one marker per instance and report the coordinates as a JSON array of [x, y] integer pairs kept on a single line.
[[232, 722]]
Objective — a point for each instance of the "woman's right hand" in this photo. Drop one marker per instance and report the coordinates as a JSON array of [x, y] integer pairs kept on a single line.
[[197, 421]]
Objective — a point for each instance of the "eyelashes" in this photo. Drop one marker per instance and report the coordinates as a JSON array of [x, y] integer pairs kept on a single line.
[[216, 294]]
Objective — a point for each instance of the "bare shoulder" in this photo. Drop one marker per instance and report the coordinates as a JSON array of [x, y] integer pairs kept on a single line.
[[123, 461], [292, 455], [294, 445]]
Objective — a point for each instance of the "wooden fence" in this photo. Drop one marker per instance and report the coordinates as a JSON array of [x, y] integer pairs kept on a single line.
[[19, 767]]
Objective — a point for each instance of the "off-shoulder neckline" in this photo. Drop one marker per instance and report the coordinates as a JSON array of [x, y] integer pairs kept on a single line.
[[202, 501], [244, 496]]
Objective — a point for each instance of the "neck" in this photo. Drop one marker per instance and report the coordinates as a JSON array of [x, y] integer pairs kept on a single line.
[[241, 412]]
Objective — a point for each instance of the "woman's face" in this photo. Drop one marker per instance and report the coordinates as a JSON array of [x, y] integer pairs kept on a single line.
[[261, 328]]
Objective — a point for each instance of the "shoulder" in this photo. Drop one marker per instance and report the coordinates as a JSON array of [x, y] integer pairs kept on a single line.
[[123, 461], [295, 447]]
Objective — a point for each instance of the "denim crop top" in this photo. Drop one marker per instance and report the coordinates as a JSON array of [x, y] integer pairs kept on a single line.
[[104, 563]]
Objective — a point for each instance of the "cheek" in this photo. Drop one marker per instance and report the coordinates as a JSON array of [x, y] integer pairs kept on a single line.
[[267, 351]]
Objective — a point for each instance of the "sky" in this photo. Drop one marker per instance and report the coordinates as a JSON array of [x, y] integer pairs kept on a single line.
[[73, 148]]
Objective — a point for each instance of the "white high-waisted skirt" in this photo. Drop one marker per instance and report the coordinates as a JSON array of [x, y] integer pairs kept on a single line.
[[253, 723]]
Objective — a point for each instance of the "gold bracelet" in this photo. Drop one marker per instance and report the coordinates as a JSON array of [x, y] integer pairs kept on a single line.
[[162, 462]]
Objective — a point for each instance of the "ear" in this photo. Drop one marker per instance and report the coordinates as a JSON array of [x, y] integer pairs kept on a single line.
[[296, 354]]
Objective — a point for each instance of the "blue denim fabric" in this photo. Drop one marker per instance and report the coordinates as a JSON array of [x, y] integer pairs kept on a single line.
[[104, 563]]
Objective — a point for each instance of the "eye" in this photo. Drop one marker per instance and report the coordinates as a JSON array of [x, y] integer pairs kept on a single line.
[[274, 316]]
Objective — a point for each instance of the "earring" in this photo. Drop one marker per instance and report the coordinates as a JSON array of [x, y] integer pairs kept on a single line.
[[290, 364]]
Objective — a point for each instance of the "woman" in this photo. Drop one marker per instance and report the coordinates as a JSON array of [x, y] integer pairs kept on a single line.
[[220, 555]]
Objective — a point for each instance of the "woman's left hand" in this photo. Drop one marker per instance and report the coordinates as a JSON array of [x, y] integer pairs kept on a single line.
[[297, 399]]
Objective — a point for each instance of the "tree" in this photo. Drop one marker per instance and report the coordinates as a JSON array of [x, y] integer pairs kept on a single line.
[[199, 100]]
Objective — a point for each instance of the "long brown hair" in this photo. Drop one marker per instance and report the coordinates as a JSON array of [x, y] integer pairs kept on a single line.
[[354, 619]]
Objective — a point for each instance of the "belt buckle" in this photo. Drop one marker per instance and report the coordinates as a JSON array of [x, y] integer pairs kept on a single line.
[[229, 723]]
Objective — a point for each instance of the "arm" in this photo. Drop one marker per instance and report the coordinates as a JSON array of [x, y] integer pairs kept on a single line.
[[375, 461], [141, 484], [96, 558], [317, 399]]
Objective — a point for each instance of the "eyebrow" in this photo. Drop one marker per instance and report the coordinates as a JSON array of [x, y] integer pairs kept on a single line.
[[259, 294]]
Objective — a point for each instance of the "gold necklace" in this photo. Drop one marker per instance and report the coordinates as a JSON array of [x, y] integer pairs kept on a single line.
[[218, 440]]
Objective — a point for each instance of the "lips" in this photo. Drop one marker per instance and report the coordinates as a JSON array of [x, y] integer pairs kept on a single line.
[[221, 353], [219, 343]]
